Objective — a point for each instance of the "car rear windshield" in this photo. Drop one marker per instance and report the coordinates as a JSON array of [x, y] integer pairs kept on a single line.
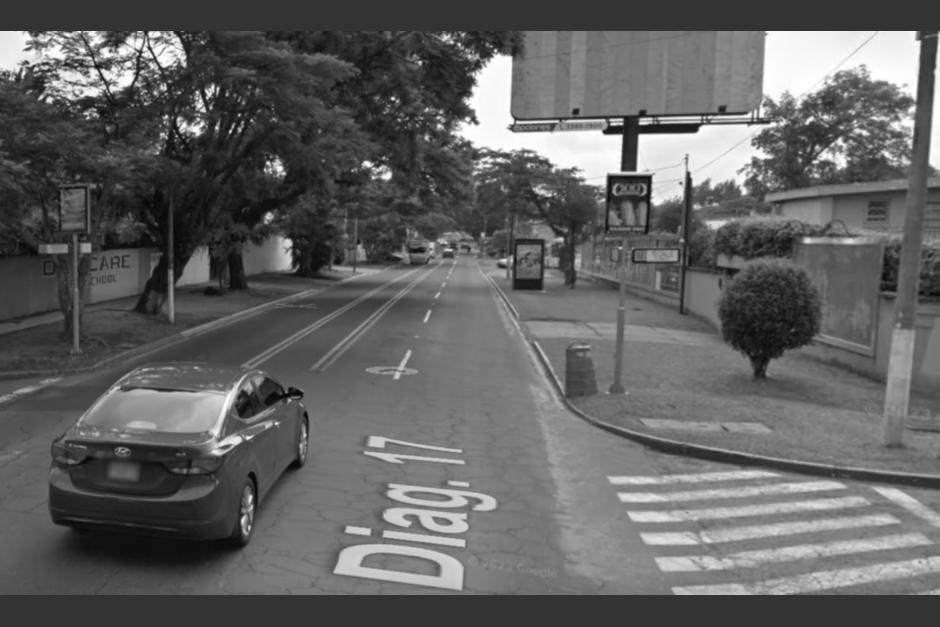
[[418, 249], [150, 409]]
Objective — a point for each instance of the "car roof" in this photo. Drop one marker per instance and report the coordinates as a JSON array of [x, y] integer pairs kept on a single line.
[[183, 375]]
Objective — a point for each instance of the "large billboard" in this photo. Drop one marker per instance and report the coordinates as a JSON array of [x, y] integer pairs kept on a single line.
[[612, 74]]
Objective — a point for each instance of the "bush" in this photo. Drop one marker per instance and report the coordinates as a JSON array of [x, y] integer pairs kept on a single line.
[[769, 307], [702, 248], [728, 239], [762, 237], [929, 280]]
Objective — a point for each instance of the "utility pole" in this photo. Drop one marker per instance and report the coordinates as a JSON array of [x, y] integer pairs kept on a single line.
[[355, 242], [628, 161], [900, 361], [684, 239], [76, 299], [508, 251]]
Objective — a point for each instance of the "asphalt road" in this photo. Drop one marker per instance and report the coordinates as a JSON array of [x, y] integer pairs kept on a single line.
[[442, 462]]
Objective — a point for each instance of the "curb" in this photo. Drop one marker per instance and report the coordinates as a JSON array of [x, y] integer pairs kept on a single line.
[[499, 290], [678, 447], [176, 338]]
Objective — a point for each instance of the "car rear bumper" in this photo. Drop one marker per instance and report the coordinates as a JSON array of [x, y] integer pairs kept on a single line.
[[200, 509]]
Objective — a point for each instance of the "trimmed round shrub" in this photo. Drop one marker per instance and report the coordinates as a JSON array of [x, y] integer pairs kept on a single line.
[[769, 307]]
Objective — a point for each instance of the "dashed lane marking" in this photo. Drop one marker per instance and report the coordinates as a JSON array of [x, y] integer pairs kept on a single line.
[[28, 389]]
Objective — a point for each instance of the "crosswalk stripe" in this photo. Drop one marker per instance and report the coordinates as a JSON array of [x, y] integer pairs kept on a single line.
[[751, 559], [748, 510], [692, 478], [732, 534], [910, 504], [729, 493], [824, 580]]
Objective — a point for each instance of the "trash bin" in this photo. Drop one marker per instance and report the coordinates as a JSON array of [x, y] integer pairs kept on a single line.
[[579, 370]]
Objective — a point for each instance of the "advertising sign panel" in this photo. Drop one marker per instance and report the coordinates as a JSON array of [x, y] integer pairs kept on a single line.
[[74, 209], [628, 203], [528, 265], [613, 74]]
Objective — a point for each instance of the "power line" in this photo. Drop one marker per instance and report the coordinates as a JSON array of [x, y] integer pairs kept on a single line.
[[827, 75], [841, 63]]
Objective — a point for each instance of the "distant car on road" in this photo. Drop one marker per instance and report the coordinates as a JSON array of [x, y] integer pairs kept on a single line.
[[419, 254], [504, 262], [183, 449], [447, 253]]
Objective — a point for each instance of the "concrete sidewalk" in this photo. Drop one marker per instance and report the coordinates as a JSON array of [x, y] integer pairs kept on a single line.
[[688, 392]]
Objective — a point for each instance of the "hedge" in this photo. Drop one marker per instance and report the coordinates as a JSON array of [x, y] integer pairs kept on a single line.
[[753, 238]]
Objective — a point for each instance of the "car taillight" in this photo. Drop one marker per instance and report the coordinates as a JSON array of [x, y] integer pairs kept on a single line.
[[66, 455], [199, 466]]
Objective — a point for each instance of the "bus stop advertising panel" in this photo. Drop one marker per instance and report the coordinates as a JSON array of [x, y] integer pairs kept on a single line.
[[528, 262]]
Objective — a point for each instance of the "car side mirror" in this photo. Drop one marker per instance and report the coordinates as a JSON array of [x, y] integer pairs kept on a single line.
[[293, 392]]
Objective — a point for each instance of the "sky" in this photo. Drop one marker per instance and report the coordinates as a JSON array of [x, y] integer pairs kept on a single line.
[[794, 61]]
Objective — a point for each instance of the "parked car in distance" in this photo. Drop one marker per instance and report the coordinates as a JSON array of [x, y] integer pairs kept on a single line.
[[504, 262], [181, 449], [447, 253]]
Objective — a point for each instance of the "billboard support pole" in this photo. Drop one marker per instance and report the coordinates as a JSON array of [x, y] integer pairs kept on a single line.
[[628, 161]]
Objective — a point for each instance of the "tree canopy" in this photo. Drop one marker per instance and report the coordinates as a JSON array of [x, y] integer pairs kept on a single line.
[[852, 129]]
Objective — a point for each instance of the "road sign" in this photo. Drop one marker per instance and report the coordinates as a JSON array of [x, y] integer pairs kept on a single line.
[[563, 125], [75, 208], [540, 127], [53, 249], [656, 255]]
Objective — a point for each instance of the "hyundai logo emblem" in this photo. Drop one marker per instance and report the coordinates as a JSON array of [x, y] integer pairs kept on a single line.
[[122, 451]]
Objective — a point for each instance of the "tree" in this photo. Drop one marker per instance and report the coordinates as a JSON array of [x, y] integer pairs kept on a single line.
[[521, 184], [667, 215], [852, 129], [237, 123], [769, 307], [409, 93], [44, 143]]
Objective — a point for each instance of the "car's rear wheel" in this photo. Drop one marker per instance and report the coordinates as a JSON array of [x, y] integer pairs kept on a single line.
[[303, 444], [247, 508]]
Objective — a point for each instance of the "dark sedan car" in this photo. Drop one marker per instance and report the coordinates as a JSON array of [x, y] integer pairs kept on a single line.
[[181, 449]]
